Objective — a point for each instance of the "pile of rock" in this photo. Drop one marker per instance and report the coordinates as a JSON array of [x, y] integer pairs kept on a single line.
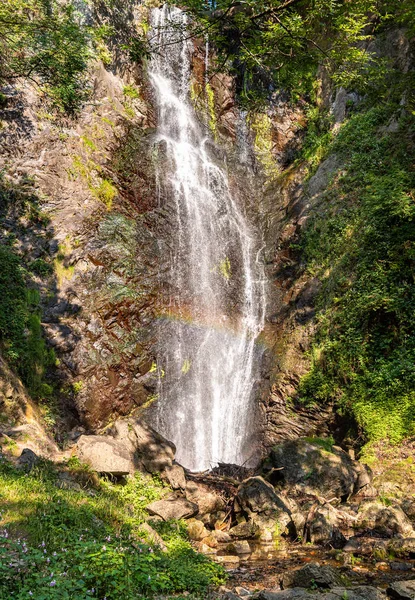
[[304, 491]]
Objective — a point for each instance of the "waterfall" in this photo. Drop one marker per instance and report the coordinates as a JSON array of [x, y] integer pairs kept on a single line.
[[208, 356]]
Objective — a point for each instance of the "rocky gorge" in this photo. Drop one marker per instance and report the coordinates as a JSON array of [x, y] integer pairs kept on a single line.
[[314, 507]]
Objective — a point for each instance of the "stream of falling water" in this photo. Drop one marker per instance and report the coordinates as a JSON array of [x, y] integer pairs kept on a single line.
[[208, 357]]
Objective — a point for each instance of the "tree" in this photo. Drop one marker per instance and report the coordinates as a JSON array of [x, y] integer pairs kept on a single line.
[[43, 40], [278, 44]]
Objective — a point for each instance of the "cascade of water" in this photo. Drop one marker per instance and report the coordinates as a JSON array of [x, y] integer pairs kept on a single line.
[[207, 354]]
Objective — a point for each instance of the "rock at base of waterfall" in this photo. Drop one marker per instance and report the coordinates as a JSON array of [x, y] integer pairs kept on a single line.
[[105, 455], [129, 447], [384, 520], [196, 530], [317, 470], [337, 593], [312, 575], [208, 501], [151, 451], [173, 508], [239, 547], [257, 495], [402, 590], [176, 477], [246, 530], [325, 525]]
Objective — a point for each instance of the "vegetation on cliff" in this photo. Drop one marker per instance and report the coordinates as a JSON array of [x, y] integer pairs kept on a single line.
[[274, 45], [360, 244]]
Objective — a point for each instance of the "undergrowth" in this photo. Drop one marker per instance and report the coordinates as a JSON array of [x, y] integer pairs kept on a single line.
[[63, 544], [360, 243], [21, 339]]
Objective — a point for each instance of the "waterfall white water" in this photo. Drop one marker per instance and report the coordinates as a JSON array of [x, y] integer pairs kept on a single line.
[[207, 357]]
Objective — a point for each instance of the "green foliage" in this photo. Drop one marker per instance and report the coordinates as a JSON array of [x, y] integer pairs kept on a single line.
[[20, 328], [270, 45], [60, 544], [44, 40], [131, 92], [41, 267], [325, 443], [361, 244]]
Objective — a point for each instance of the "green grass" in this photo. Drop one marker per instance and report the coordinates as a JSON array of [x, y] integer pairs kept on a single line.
[[360, 243], [61, 544]]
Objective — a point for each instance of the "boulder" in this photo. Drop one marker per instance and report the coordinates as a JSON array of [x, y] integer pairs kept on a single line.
[[312, 576], [151, 451], [402, 590], [257, 495], [28, 459], [239, 547], [207, 500], [172, 508], [385, 520], [129, 446], [404, 547], [269, 510], [324, 526], [366, 546], [104, 454], [196, 530], [245, 530], [176, 477], [317, 470]]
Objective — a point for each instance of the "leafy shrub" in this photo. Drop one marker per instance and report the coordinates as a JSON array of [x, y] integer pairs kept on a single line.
[[41, 267]]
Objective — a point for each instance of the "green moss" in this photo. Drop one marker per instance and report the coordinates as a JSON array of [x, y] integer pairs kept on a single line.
[[325, 443], [261, 125], [106, 192], [210, 96], [131, 92], [225, 268], [90, 145]]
